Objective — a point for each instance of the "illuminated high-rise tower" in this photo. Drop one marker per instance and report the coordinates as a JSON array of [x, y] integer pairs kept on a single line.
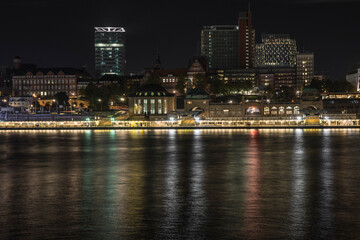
[[246, 40], [109, 51]]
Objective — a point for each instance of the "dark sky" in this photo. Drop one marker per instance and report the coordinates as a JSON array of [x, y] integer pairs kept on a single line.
[[60, 32]]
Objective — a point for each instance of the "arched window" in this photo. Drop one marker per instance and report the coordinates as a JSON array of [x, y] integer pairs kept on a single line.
[[281, 110], [274, 111], [266, 110], [296, 110]]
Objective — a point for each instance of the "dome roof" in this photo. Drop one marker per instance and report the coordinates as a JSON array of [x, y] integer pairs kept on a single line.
[[310, 90], [152, 90], [197, 93]]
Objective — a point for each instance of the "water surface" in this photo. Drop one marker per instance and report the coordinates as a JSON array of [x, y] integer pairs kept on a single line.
[[180, 184]]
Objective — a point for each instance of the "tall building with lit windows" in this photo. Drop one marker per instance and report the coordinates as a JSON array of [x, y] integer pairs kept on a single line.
[[229, 46], [109, 51], [246, 40], [304, 69], [220, 45], [276, 50]]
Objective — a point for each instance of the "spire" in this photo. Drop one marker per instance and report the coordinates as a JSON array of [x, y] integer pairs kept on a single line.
[[249, 5], [157, 60]]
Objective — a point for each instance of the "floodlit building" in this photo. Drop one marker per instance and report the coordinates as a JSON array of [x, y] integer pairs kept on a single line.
[[109, 51], [151, 102], [276, 50], [304, 69]]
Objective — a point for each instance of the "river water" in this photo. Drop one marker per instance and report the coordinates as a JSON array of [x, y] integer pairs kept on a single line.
[[180, 184]]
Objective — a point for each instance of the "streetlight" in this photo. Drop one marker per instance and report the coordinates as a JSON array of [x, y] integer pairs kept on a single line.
[[100, 102]]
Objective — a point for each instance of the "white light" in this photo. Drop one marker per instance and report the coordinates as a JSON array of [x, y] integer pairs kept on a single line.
[[109, 45], [299, 118], [109, 29]]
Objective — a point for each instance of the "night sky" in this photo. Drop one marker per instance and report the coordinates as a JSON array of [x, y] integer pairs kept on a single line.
[[60, 32]]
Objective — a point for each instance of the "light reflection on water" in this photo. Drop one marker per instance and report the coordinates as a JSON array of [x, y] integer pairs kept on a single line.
[[195, 184]]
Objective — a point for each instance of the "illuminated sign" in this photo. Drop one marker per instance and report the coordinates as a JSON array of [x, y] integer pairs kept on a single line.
[[109, 29], [109, 45]]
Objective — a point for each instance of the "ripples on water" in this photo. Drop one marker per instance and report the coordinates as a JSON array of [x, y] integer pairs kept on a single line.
[[180, 184]]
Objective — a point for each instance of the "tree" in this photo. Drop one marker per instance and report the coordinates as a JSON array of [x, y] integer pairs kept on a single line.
[[91, 93], [181, 84], [153, 78], [342, 86], [318, 84], [62, 99], [216, 86], [269, 91], [200, 81], [285, 94]]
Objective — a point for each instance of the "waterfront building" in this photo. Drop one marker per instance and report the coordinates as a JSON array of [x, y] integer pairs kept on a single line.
[[341, 103], [304, 69], [41, 82], [197, 100], [354, 77], [151, 102], [21, 102], [109, 51], [276, 50]]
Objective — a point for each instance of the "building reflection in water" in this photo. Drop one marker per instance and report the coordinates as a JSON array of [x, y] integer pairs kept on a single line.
[[252, 224], [172, 188], [326, 188], [196, 200], [298, 211]]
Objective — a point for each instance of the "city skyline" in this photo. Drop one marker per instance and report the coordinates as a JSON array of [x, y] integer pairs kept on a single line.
[[175, 38]]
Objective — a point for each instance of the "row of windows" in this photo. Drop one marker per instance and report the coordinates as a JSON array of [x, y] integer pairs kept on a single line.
[[42, 81], [281, 110], [45, 93], [152, 106], [65, 87]]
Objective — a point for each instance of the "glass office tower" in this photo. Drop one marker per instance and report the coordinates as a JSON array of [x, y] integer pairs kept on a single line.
[[109, 51]]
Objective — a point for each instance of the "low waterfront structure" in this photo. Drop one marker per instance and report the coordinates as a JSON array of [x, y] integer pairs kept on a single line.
[[151, 102]]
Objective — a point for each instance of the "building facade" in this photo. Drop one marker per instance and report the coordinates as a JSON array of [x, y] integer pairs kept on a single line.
[[276, 77], [109, 51], [246, 40], [276, 50], [151, 102], [44, 82], [304, 69], [230, 46], [220, 45]]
